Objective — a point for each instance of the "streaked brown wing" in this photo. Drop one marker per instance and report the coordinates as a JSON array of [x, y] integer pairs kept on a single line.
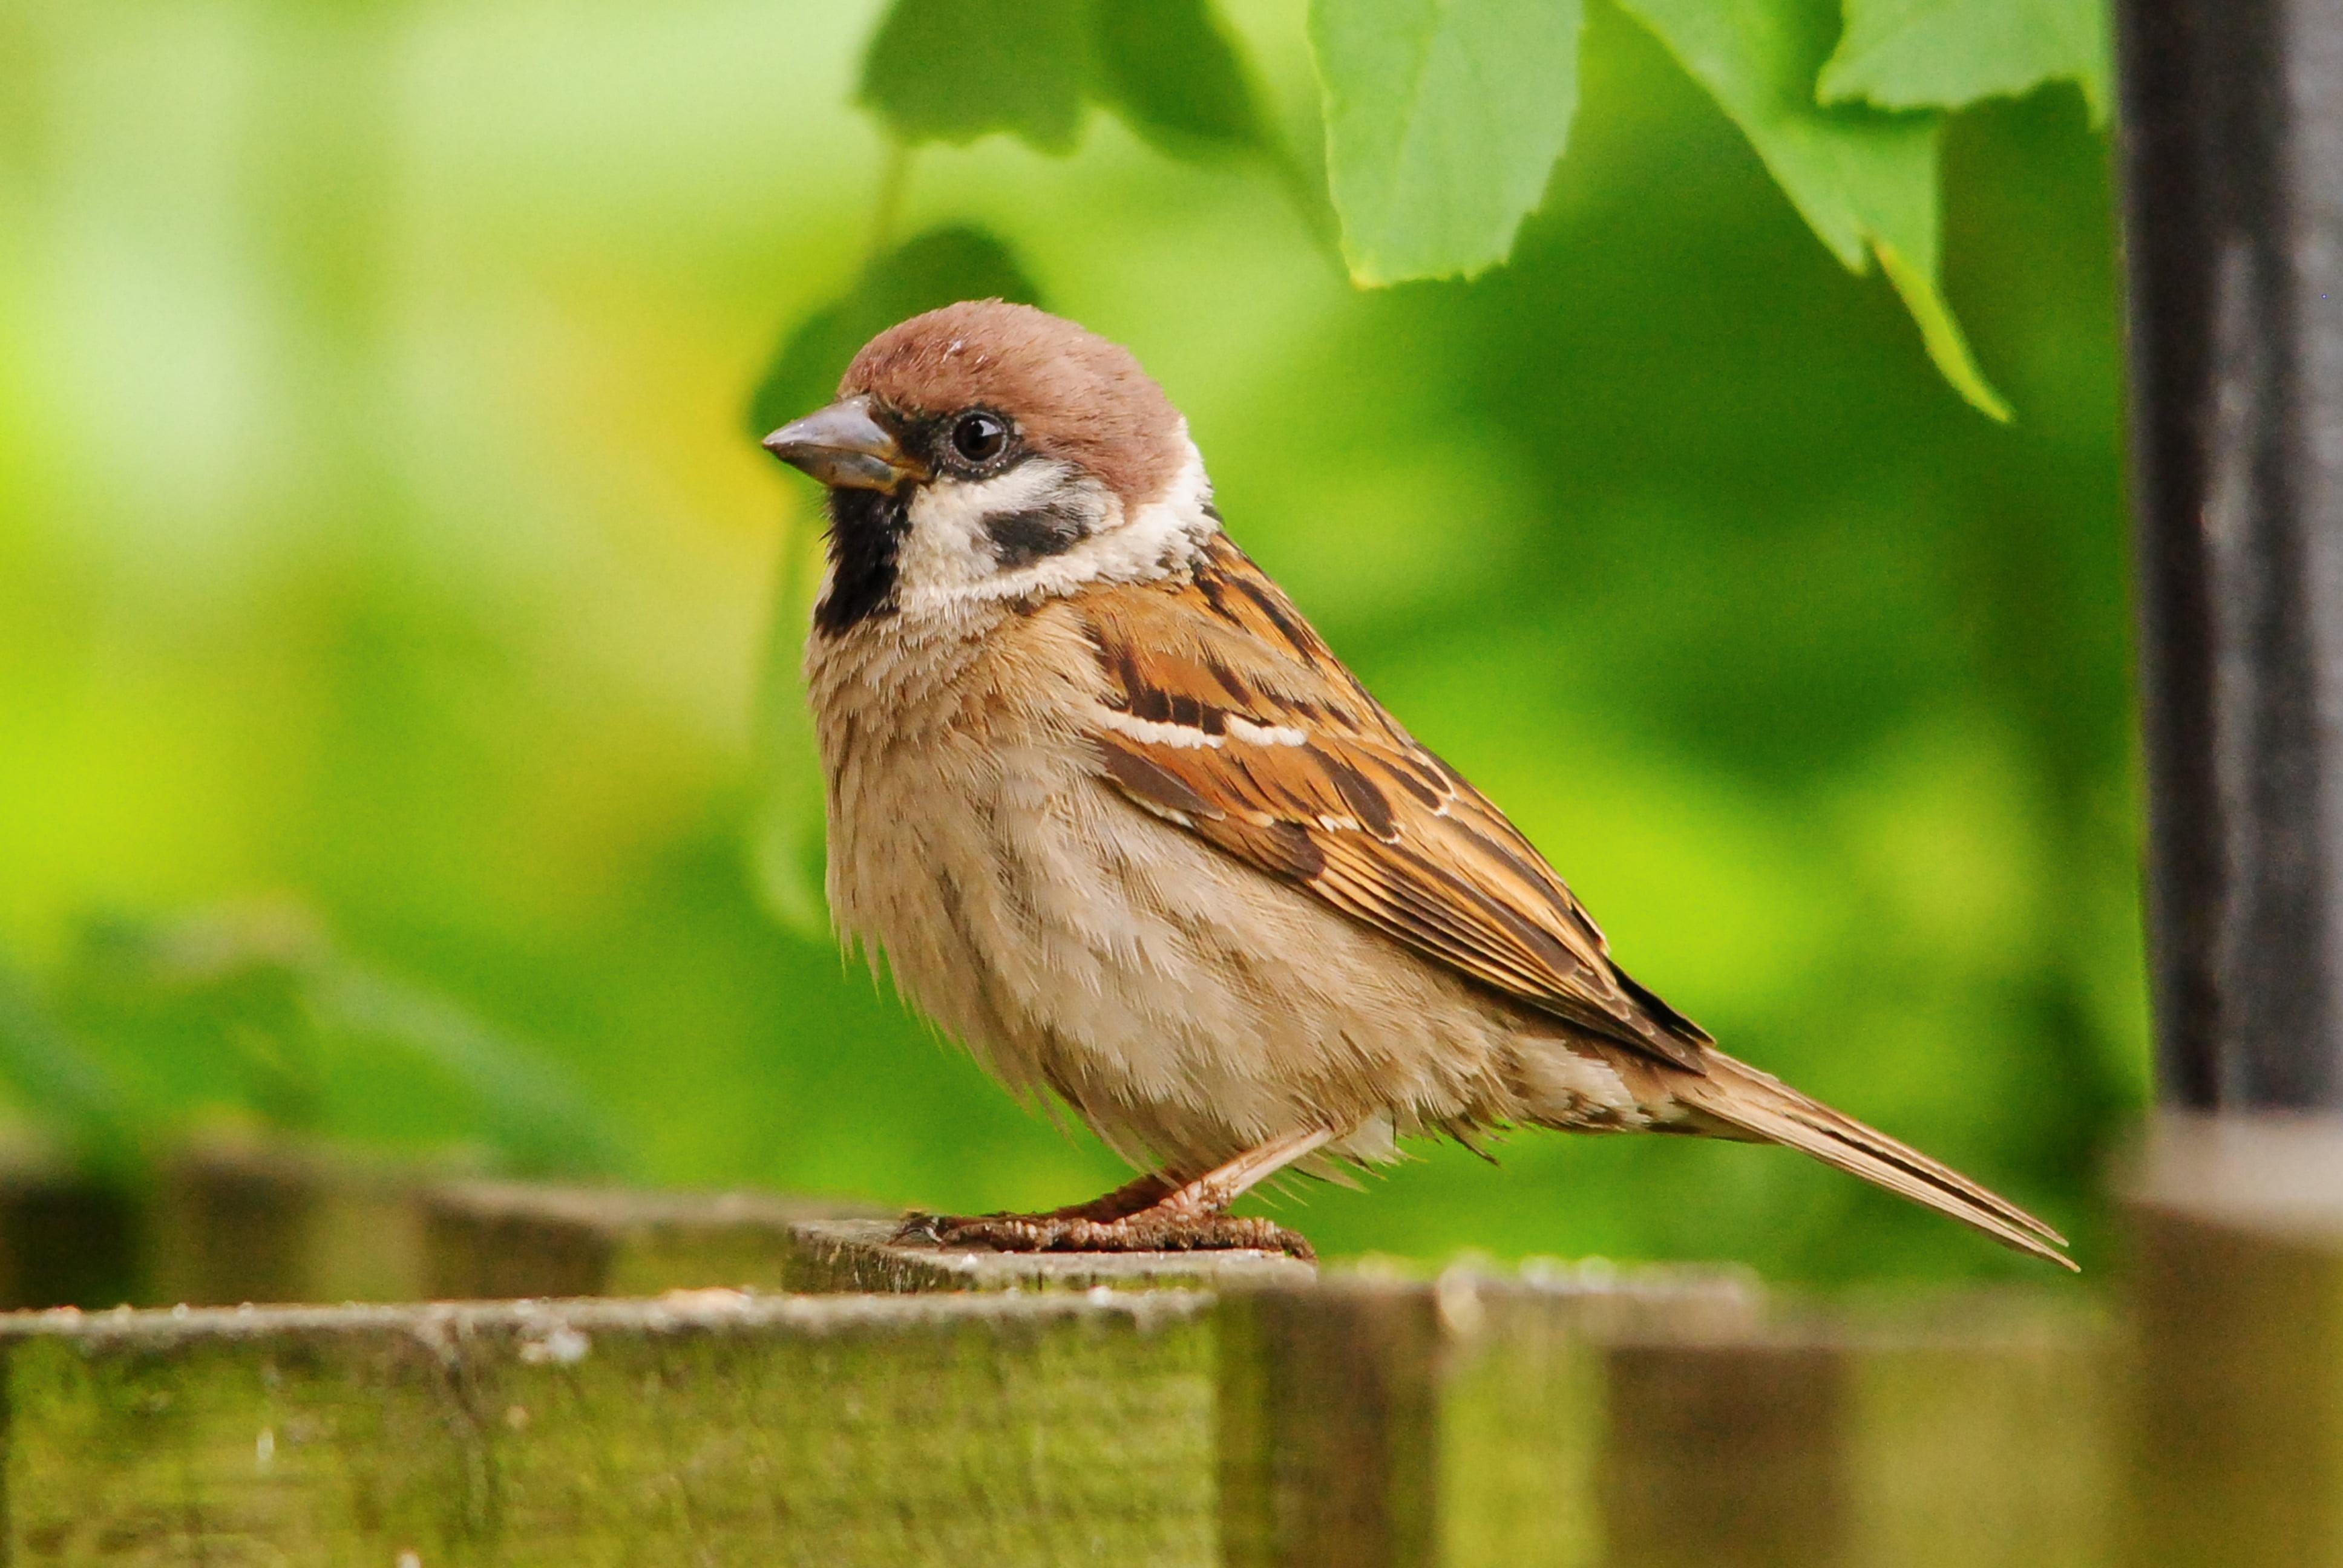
[[1228, 715]]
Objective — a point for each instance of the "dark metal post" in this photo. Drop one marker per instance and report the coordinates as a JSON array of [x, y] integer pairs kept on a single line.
[[2232, 169]]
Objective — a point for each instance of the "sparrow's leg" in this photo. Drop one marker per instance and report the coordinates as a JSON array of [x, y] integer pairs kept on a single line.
[[1138, 1193], [1190, 1217], [1141, 1192]]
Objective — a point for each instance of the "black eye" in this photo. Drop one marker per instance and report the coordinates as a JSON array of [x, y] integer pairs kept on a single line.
[[979, 437]]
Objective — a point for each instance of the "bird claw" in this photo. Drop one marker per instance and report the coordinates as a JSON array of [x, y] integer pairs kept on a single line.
[[1150, 1231]]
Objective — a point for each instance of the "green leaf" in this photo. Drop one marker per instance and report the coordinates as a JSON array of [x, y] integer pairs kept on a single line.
[[954, 70], [1863, 180], [1942, 54], [785, 816], [1442, 120], [1171, 70]]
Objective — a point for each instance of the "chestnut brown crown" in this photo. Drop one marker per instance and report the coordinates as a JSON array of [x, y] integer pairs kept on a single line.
[[1069, 393]]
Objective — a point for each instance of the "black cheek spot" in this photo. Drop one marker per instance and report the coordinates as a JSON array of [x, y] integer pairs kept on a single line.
[[1020, 538]]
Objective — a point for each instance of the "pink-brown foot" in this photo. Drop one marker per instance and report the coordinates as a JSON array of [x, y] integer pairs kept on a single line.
[[1134, 1196], [1149, 1230]]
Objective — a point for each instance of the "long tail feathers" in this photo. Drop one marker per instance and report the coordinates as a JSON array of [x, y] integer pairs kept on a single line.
[[1762, 1106]]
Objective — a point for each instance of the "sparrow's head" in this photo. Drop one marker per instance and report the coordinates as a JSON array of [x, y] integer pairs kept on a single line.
[[989, 451]]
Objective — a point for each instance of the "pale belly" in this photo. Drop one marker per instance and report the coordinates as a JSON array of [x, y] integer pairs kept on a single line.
[[1187, 1006]]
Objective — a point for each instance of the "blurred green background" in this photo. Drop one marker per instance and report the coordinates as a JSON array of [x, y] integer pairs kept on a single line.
[[384, 577]]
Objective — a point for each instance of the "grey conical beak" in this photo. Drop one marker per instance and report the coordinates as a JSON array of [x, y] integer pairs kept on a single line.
[[842, 445]]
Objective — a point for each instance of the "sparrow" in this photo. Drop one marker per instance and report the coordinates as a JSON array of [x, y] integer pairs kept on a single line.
[[1115, 817]]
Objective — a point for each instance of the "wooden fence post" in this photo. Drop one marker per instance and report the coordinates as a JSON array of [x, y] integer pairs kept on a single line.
[[495, 1240], [282, 1224], [65, 1238], [1648, 1425], [1825, 1446], [1373, 1424], [2232, 156], [2236, 1368]]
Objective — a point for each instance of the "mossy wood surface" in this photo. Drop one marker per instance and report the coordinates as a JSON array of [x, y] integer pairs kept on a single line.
[[1373, 1423], [851, 1255], [713, 1430]]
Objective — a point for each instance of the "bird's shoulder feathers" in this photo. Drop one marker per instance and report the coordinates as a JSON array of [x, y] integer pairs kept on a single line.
[[1223, 711]]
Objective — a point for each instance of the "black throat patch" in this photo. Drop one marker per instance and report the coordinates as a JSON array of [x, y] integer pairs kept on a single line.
[[866, 533]]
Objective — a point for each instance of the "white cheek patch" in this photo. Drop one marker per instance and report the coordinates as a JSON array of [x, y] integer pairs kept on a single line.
[[947, 551], [1157, 539], [948, 559]]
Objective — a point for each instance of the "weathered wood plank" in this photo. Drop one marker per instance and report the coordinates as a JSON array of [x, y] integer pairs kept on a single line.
[[2236, 1364], [859, 1255], [1984, 1444], [281, 1224], [707, 1428], [1374, 1423], [496, 1240], [1812, 1445], [66, 1238], [284, 1224], [1641, 1421]]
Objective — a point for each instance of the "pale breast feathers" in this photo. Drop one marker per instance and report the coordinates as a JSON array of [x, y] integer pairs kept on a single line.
[[1226, 714]]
